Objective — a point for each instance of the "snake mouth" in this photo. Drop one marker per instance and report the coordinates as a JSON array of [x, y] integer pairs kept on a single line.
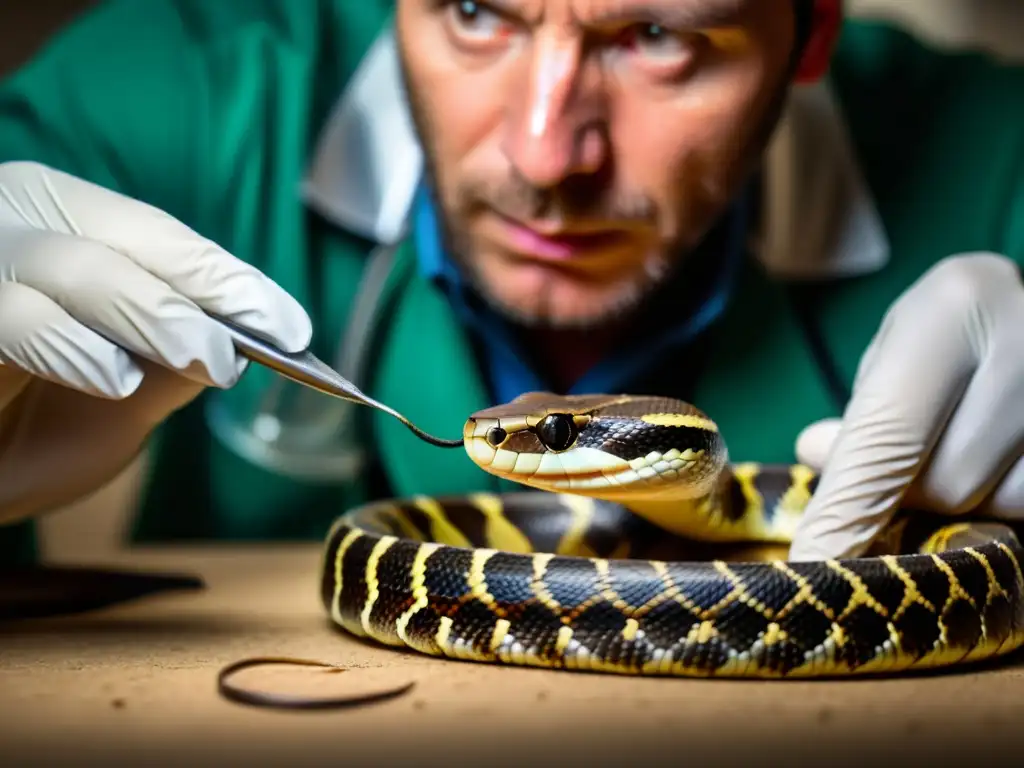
[[589, 471]]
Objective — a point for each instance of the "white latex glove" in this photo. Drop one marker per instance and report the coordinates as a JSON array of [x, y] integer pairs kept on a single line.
[[937, 414], [80, 265]]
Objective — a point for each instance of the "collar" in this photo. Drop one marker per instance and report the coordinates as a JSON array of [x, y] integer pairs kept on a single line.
[[819, 219]]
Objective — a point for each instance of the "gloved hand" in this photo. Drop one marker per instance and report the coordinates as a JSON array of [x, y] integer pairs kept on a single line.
[[937, 412], [86, 274]]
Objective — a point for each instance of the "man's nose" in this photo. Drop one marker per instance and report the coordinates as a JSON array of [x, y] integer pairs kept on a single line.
[[554, 123]]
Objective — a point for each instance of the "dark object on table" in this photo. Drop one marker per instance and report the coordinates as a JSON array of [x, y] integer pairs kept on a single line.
[[35, 592]]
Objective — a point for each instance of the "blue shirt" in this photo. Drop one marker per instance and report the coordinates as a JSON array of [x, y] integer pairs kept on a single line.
[[506, 367]]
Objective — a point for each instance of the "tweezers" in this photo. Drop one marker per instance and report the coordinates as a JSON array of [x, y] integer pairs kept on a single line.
[[307, 369]]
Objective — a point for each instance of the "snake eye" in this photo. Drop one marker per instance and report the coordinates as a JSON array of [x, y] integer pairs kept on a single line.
[[496, 436], [557, 431]]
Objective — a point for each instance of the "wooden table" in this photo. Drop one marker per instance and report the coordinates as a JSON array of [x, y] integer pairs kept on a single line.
[[138, 681]]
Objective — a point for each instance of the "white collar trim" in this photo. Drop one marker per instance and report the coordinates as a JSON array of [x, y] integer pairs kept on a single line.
[[820, 220], [368, 162]]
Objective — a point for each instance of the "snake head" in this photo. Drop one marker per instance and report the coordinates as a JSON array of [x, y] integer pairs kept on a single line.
[[612, 446]]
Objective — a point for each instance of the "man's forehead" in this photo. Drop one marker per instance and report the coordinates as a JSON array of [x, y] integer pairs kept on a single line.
[[669, 13]]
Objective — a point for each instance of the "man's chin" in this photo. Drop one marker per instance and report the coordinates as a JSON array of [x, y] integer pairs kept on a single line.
[[539, 294], [563, 308]]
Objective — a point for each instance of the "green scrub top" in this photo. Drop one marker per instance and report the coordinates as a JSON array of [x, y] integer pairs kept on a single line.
[[211, 112]]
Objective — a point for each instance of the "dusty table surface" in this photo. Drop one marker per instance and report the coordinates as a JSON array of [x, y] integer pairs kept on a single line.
[[139, 681]]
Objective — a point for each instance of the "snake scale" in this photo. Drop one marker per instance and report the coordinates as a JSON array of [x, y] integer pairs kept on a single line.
[[637, 549]]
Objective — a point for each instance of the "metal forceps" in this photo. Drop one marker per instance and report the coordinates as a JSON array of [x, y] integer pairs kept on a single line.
[[307, 369]]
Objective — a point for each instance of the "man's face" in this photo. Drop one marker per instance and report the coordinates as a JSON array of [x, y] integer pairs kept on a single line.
[[579, 148]]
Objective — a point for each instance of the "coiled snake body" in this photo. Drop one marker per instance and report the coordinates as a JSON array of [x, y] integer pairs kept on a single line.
[[642, 551]]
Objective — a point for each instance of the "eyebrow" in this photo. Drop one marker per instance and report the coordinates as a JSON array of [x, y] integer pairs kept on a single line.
[[678, 14]]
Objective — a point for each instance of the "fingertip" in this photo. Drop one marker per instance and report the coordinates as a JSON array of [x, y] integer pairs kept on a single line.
[[241, 366], [814, 444], [800, 552], [832, 534], [222, 366], [276, 315], [296, 329], [231, 378], [127, 376], [807, 542], [806, 550]]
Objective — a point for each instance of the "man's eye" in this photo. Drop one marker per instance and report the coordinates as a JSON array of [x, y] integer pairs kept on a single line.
[[475, 20], [654, 40], [650, 32]]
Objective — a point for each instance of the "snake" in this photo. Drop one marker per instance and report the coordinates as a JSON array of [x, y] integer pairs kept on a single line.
[[631, 544]]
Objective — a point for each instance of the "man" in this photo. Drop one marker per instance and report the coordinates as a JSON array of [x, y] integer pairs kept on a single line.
[[619, 195]]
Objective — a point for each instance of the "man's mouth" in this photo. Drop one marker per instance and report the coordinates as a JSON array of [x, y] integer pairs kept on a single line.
[[555, 243]]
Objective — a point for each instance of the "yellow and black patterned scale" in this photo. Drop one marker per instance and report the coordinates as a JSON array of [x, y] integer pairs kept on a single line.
[[643, 551]]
